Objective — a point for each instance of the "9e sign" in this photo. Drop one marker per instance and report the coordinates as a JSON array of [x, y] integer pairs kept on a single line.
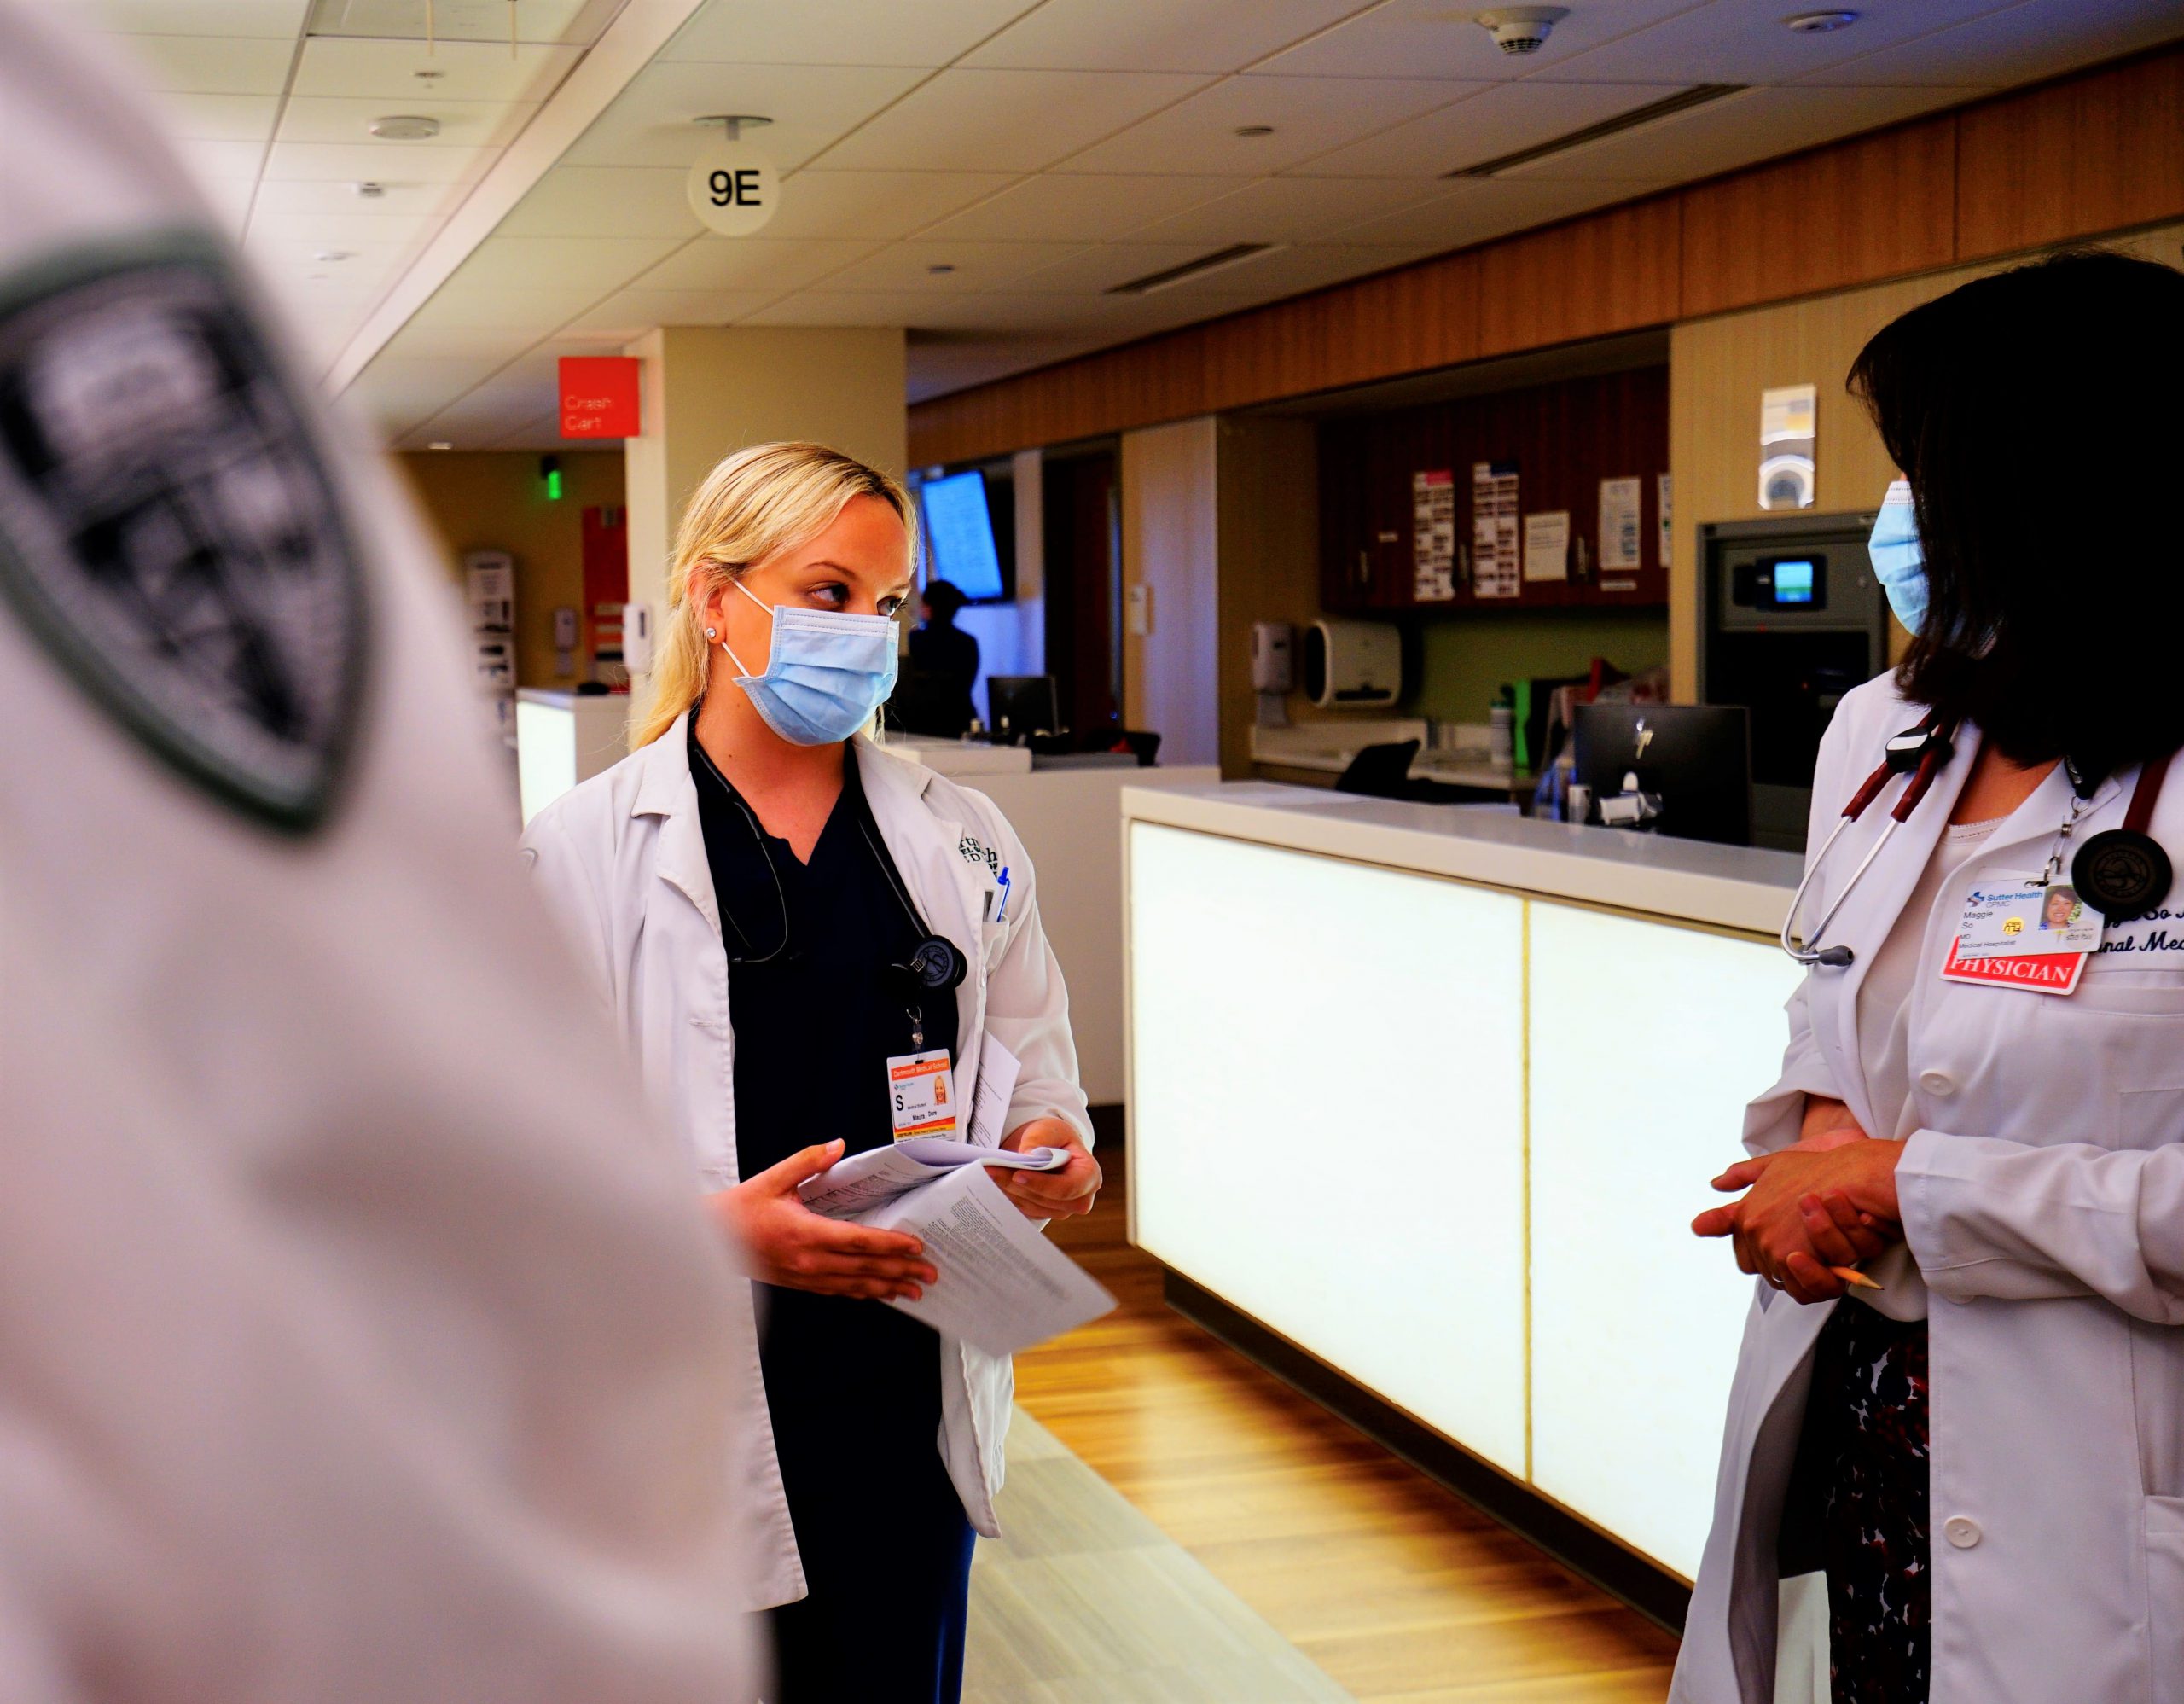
[[733, 188]]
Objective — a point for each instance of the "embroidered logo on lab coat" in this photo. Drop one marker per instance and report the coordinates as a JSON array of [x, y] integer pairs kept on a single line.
[[167, 529], [975, 853]]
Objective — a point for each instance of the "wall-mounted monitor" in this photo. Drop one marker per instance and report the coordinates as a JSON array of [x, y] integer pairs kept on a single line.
[[970, 528]]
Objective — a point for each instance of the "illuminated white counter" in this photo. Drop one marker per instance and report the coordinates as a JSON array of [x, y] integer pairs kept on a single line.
[[1433, 1094]]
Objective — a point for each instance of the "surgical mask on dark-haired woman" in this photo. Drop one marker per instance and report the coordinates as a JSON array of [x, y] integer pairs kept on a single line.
[[1899, 562], [826, 673]]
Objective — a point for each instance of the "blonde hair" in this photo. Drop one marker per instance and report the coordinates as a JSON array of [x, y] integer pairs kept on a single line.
[[756, 504]]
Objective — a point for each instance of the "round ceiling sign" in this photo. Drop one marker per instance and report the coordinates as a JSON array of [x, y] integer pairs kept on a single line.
[[733, 189]]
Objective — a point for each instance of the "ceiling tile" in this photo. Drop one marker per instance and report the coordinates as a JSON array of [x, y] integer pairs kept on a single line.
[[2020, 44], [605, 201], [650, 122], [1479, 209], [463, 124], [573, 21], [466, 302], [203, 65], [230, 200], [1756, 124], [1157, 35], [847, 307], [976, 266], [592, 266], [373, 264], [418, 343], [219, 118], [1434, 38], [1501, 120], [1090, 271], [1310, 115], [632, 313], [400, 199], [282, 20], [931, 32], [885, 205], [1007, 121], [1289, 209], [346, 65], [382, 162], [350, 229], [222, 160], [1080, 208], [1743, 41], [751, 263], [408, 390]]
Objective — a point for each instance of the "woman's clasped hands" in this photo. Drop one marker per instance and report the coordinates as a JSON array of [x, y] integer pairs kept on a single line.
[[1827, 1201]]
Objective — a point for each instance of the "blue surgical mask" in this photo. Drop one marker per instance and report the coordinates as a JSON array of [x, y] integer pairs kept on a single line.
[[1899, 563], [826, 675]]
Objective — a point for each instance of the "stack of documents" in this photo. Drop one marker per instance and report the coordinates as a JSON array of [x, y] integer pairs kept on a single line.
[[1003, 1287]]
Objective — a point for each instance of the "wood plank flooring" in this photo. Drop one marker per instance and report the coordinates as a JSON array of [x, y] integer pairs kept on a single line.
[[1399, 1591]]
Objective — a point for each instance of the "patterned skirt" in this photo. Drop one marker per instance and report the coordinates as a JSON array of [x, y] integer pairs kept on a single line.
[[1858, 1503]]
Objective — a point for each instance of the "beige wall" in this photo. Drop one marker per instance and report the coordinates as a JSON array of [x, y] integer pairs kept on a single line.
[[1169, 539], [708, 390], [1717, 369], [494, 500], [1268, 546]]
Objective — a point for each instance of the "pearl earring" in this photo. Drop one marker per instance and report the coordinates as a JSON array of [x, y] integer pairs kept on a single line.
[[712, 634]]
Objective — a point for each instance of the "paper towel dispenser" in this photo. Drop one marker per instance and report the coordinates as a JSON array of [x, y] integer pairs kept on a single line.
[[1353, 665]]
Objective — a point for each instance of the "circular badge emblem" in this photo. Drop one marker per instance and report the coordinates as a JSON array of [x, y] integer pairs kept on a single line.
[[732, 188], [2120, 873]]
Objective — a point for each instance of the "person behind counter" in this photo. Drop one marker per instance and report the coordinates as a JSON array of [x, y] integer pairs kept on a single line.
[[754, 887], [943, 666], [1994, 1485]]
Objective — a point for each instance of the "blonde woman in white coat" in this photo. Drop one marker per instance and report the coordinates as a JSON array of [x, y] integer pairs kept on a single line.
[[749, 887], [1984, 1458]]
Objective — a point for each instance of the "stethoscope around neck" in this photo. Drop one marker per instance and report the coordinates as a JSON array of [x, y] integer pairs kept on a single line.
[[2119, 872], [1918, 753], [936, 964]]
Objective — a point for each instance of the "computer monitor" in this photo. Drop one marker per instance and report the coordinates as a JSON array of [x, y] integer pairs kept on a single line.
[[1019, 705], [964, 536], [1697, 757]]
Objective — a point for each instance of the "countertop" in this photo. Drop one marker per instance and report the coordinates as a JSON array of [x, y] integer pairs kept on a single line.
[[1738, 887]]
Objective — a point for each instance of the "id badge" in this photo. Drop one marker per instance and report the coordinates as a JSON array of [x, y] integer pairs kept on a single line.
[[2013, 918], [2035, 973], [921, 1094]]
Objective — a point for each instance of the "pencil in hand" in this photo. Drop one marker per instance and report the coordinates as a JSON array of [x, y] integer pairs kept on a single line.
[[1857, 1280]]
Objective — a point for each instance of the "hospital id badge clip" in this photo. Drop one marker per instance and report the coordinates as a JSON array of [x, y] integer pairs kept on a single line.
[[921, 1094]]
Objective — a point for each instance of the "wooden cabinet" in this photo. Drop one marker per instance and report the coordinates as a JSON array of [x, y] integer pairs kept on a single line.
[[1564, 439]]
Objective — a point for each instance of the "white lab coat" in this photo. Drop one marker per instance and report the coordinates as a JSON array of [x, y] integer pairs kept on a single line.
[[358, 1342], [622, 862], [2042, 1196]]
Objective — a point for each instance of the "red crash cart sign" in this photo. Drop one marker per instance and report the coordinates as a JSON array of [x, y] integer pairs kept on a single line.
[[599, 395]]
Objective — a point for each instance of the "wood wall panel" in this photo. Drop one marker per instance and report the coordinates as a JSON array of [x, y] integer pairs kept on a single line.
[[2097, 153], [1609, 271], [1876, 206]]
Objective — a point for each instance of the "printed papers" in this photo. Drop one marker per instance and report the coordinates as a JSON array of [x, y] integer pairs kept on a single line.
[[1433, 536], [1496, 569], [1621, 544], [1547, 545]]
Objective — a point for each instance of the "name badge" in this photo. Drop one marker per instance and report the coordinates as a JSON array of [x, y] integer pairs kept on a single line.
[[2035, 973], [921, 1094], [2023, 918]]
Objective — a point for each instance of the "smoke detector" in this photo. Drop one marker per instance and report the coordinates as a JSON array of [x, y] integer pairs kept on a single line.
[[405, 127], [1522, 29]]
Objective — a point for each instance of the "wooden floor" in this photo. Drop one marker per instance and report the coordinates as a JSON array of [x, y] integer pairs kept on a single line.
[[1397, 1590]]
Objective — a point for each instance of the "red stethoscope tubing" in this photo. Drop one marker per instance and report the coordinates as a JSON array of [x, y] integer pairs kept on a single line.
[[1939, 740]]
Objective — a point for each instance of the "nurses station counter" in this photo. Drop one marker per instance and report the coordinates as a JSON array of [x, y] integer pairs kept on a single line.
[[1431, 1094]]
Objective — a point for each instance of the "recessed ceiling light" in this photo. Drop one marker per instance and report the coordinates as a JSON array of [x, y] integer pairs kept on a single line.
[[428, 76], [330, 255], [371, 192], [940, 267], [440, 444], [1820, 23], [405, 127], [1254, 130]]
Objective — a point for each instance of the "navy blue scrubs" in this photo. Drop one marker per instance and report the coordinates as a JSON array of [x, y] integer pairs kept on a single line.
[[885, 1547]]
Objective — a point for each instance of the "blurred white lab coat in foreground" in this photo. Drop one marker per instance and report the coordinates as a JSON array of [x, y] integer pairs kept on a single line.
[[359, 1340], [2044, 1200], [622, 862]]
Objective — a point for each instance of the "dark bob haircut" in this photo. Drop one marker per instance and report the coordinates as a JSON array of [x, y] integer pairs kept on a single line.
[[943, 598], [2039, 415]]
